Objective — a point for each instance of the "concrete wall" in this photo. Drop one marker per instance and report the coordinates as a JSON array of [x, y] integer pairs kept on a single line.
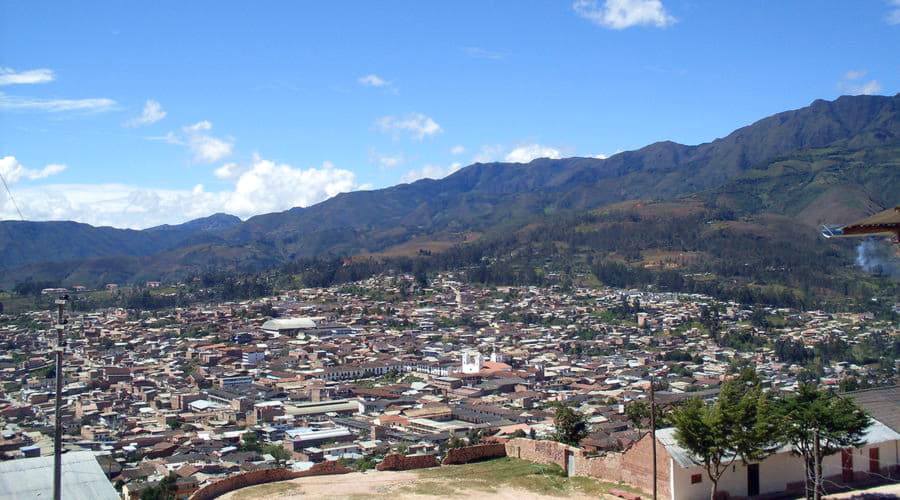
[[396, 461], [468, 454], [251, 478]]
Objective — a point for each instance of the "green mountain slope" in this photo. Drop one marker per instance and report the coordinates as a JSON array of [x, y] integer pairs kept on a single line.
[[828, 162]]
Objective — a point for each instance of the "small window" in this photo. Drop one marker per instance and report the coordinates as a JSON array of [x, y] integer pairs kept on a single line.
[[696, 478]]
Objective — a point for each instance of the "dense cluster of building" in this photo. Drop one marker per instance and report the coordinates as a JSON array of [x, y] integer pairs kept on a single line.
[[353, 371]]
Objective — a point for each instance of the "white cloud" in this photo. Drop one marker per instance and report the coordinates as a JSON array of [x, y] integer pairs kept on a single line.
[[386, 160], [457, 150], [268, 187], [521, 153], [602, 156], [430, 172], [864, 88], [489, 153], [98, 104], [373, 81], [226, 171], [527, 152], [621, 14], [850, 83], [204, 147], [152, 113], [482, 53], [264, 187], [9, 76], [13, 171], [201, 126], [893, 15], [417, 125]]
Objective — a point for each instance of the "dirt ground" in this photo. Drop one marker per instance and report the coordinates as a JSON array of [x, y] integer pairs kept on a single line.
[[886, 491], [397, 485]]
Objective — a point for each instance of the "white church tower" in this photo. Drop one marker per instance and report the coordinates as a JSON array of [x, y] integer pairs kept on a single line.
[[472, 361]]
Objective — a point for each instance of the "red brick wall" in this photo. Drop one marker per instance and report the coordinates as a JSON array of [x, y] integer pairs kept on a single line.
[[637, 466], [633, 467], [468, 454], [238, 481], [396, 461]]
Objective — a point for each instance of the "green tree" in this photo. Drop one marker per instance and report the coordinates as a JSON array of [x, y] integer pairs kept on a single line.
[[474, 436], [637, 412], [571, 426], [741, 424], [814, 419], [280, 454], [250, 442], [163, 490], [455, 442]]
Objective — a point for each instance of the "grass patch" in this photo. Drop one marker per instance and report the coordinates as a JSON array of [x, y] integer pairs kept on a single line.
[[265, 490], [436, 488], [500, 473]]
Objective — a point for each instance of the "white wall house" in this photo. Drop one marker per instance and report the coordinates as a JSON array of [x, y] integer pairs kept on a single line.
[[879, 457]]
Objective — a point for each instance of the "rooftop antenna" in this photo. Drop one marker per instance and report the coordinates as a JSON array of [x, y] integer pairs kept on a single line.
[[57, 435], [5, 185]]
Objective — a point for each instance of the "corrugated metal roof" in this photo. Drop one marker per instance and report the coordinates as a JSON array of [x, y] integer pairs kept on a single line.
[[82, 477], [883, 404]]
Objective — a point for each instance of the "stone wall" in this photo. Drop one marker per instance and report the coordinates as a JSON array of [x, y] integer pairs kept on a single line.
[[251, 478], [468, 454], [395, 461]]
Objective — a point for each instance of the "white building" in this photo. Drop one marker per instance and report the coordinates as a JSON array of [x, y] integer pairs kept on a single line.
[[783, 471], [472, 361]]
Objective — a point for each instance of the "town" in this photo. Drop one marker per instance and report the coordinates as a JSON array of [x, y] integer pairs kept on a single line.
[[398, 364]]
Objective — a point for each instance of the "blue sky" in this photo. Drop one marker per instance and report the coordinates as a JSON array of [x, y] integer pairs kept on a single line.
[[130, 115]]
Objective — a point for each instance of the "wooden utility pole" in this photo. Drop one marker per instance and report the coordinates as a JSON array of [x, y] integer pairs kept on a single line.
[[57, 435], [817, 489], [653, 431]]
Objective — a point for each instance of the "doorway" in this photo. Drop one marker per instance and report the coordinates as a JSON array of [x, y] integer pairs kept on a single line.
[[752, 480], [847, 465]]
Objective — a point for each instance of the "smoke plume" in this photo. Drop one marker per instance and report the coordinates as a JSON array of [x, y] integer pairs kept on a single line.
[[876, 257]]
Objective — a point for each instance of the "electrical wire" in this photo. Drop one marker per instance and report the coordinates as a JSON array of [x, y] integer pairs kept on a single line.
[[11, 196]]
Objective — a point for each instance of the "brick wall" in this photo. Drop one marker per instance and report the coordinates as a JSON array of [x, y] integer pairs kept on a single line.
[[633, 467], [396, 461], [542, 452], [606, 467], [468, 454], [637, 466], [238, 481]]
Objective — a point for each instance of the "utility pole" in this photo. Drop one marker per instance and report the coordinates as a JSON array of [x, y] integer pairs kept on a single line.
[[57, 435], [817, 490], [653, 431]]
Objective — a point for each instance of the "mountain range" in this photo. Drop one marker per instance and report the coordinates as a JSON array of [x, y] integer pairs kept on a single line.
[[832, 161]]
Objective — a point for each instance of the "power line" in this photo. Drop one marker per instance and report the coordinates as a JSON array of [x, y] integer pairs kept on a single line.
[[11, 196]]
